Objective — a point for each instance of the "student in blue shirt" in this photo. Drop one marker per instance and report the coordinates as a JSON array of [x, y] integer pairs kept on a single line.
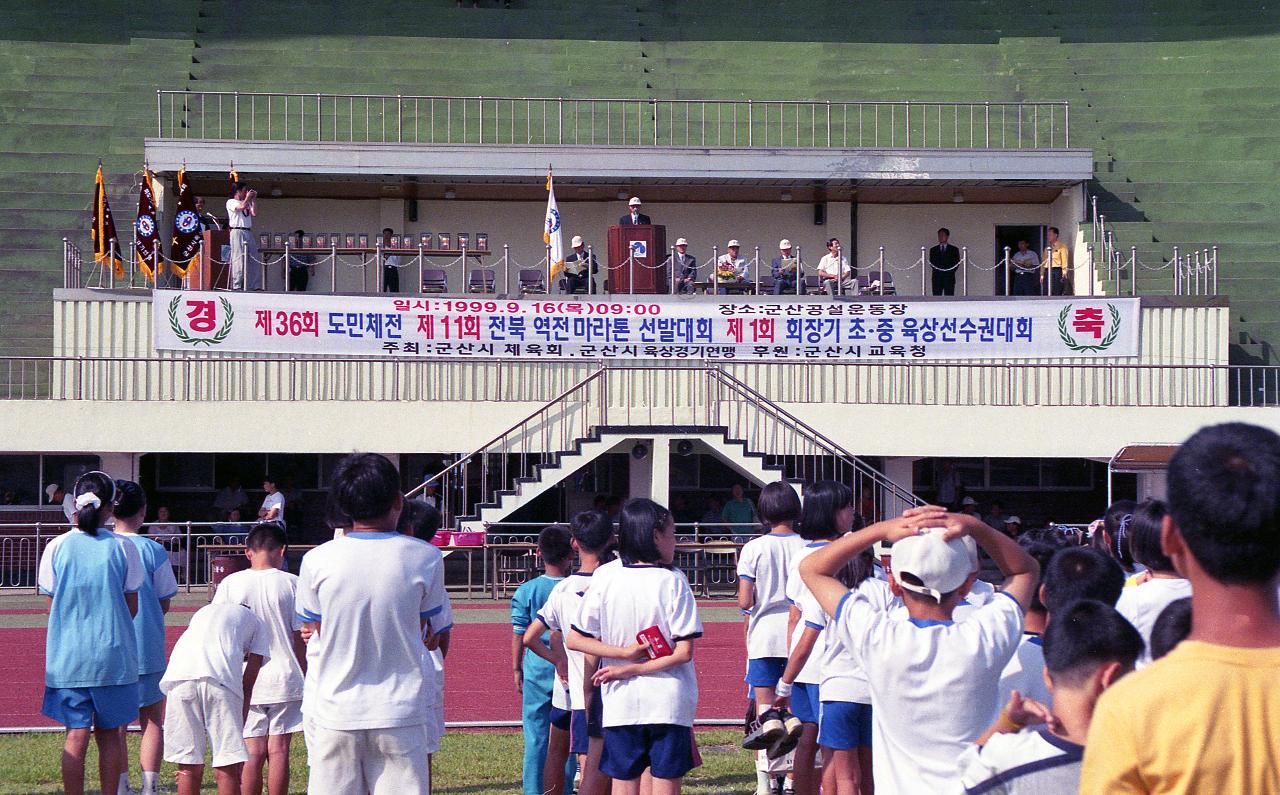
[[158, 587], [92, 577], [534, 676]]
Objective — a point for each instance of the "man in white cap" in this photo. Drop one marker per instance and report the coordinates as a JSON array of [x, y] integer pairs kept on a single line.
[[684, 266], [731, 271], [634, 217], [934, 682], [783, 269], [578, 267]]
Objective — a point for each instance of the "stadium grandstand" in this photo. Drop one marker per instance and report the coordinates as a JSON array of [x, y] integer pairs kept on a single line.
[[403, 155]]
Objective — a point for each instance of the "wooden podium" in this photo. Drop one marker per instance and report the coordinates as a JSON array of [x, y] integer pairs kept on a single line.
[[210, 274], [638, 253]]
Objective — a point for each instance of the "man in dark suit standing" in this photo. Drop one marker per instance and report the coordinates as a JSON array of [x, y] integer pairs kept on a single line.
[[635, 217], [944, 258]]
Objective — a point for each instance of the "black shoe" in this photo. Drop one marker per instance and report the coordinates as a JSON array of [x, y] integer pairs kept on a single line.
[[765, 731], [790, 737]]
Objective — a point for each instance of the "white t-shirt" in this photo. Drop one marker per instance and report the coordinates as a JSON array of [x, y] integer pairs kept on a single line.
[[1029, 762], [831, 265], [843, 675], [1142, 605], [799, 595], [981, 593], [1024, 673], [270, 594], [237, 217], [765, 561], [276, 501], [624, 600], [371, 591], [558, 613], [214, 645], [69, 508], [933, 685]]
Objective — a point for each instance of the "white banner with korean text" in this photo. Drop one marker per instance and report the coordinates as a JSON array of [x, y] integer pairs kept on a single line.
[[644, 327]]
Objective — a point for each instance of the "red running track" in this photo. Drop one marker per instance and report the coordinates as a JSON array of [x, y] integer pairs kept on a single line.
[[478, 681]]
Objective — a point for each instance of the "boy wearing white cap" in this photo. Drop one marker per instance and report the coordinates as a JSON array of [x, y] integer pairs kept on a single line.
[[731, 270], [933, 681]]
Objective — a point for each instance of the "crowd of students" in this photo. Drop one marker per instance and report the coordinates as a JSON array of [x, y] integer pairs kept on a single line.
[[875, 657]]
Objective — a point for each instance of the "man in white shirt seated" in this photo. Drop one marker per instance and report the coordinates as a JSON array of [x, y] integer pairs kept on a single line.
[[731, 271], [1026, 270], [834, 273]]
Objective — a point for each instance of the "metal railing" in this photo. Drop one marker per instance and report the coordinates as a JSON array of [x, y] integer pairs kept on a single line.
[[997, 383], [385, 118], [1194, 271], [681, 397]]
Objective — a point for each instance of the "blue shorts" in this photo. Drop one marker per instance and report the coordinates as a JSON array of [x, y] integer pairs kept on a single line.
[[595, 715], [665, 748], [578, 736], [107, 707], [804, 702], [844, 725], [765, 671], [560, 718], [149, 689]]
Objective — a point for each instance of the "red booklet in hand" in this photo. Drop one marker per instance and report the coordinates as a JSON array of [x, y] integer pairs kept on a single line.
[[658, 646]]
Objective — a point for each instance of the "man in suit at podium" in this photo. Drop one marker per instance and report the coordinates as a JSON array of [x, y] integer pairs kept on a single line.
[[635, 217], [944, 258]]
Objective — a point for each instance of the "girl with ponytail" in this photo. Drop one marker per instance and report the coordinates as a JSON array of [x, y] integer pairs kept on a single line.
[[92, 577]]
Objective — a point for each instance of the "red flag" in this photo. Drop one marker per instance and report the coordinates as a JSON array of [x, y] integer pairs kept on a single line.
[[184, 248], [106, 243], [146, 235]]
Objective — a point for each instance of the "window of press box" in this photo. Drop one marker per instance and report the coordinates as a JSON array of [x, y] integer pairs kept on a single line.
[[23, 478], [1008, 474]]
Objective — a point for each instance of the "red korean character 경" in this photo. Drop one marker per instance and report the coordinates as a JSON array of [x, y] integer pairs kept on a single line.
[[202, 316]]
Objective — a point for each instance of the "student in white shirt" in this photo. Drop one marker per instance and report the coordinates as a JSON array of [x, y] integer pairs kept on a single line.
[[1143, 603], [272, 509], [648, 703], [209, 683], [92, 577], [158, 587], [933, 681], [798, 688], [763, 564], [593, 540], [367, 716], [1087, 648], [1025, 671], [275, 709]]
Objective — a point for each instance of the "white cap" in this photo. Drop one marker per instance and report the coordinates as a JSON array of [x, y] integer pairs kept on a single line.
[[971, 547], [51, 490], [942, 566], [680, 241], [733, 244], [577, 241], [1012, 520], [635, 202], [784, 243], [968, 501]]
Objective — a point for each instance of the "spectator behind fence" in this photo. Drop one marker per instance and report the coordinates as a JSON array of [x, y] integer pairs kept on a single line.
[[1025, 279], [1057, 265], [731, 270], [834, 272], [207, 220], [944, 260], [739, 513], [684, 266], [391, 263], [783, 269], [300, 265], [579, 267], [230, 498], [242, 207], [1203, 717]]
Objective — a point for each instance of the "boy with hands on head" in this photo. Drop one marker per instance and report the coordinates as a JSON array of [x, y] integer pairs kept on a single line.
[[933, 681]]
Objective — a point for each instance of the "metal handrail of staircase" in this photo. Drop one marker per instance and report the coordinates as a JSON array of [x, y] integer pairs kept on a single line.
[[442, 478], [796, 425]]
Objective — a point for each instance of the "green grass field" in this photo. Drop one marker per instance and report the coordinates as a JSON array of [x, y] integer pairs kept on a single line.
[[468, 764]]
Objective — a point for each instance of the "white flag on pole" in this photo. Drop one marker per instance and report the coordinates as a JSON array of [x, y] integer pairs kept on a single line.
[[552, 234]]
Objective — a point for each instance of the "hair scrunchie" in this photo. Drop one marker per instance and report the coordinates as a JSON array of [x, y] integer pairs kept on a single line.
[[88, 498]]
